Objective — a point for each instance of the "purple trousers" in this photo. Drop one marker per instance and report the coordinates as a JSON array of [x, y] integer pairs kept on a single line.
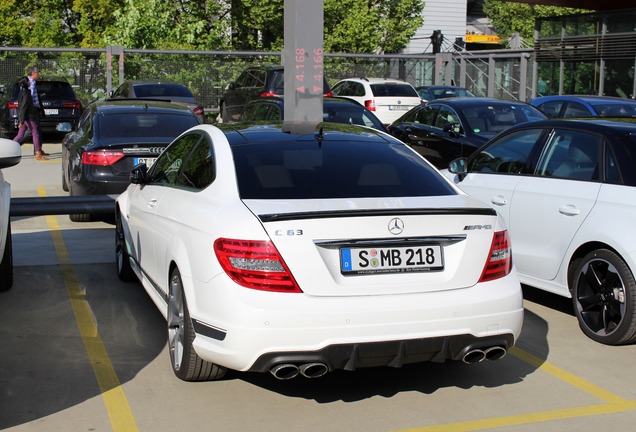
[[33, 127]]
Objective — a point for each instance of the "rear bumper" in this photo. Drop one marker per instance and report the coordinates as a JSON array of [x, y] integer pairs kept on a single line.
[[248, 330]]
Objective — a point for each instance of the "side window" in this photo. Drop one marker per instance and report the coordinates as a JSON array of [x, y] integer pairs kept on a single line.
[[199, 170], [576, 110], [445, 115], [84, 124], [551, 109], [166, 169], [571, 155], [509, 154], [357, 89], [122, 91], [426, 115], [340, 89], [612, 174], [240, 81]]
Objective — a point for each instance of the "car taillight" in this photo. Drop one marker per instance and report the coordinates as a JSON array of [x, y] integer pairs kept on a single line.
[[499, 261], [103, 158], [328, 94], [12, 105], [198, 110], [267, 94], [72, 105], [255, 264], [370, 104]]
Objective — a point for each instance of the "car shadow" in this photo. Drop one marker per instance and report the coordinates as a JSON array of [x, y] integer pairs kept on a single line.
[[45, 367]]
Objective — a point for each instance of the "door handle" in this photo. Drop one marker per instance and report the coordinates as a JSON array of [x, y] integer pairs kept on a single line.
[[152, 203], [499, 200], [569, 210]]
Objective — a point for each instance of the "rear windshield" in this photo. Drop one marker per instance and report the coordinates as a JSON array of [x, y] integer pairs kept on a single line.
[[144, 125], [161, 90], [392, 89], [334, 169], [55, 90]]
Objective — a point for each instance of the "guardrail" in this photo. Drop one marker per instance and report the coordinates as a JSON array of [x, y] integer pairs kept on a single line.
[[59, 205]]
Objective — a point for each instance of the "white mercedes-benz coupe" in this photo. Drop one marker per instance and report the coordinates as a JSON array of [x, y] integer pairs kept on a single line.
[[269, 251]]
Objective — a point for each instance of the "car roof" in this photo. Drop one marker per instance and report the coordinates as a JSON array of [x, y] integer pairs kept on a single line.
[[624, 125], [326, 100], [584, 98], [375, 80], [474, 101], [244, 133]]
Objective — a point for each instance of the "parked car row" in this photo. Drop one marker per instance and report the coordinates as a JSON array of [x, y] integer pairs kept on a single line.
[[354, 223]]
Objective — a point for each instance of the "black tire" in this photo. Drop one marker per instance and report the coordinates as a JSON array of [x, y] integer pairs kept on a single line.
[[186, 364], [64, 172], [6, 265], [604, 297], [78, 217], [122, 258]]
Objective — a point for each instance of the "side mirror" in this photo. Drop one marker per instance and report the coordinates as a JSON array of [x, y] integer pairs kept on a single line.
[[138, 175], [231, 86], [458, 166], [10, 153]]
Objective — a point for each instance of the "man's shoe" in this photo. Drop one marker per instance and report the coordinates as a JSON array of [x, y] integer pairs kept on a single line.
[[39, 155], [43, 153]]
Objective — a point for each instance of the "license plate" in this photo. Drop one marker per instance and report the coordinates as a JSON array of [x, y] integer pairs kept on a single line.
[[391, 260], [50, 111], [147, 160], [399, 107]]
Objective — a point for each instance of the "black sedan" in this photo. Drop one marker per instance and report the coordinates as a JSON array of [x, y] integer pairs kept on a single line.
[[60, 111], [111, 138], [446, 129], [335, 110]]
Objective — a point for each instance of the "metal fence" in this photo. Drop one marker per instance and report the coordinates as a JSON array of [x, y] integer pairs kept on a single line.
[[505, 74]]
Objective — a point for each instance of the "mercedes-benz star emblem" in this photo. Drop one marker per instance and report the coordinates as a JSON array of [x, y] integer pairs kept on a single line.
[[396, 226]]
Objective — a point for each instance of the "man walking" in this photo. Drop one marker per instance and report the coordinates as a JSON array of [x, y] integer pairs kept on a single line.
[[33, 73]]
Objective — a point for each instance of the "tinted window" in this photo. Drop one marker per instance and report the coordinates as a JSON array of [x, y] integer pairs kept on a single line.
[[495, 118], [509, 154], [386, 89], [144, 125], [351, 114], [616, 109], [426, 115], [334, 169], [167, 166], [199, 171], [575, 109], [161, 90], [446, 115], [55, 90], [570, 154]]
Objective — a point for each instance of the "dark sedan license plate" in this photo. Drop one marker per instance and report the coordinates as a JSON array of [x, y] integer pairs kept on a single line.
[[391, 260], [147, 160]]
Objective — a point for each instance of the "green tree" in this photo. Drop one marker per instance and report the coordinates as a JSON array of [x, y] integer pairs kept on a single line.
[[512, 17]]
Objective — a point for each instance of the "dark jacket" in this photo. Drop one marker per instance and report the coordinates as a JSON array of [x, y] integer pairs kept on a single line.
[[26, 109]]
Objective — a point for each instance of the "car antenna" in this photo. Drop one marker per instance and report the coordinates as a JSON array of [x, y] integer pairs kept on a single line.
[[320, 136]]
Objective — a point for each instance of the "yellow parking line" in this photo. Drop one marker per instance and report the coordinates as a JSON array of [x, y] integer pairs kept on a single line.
[[615, 404], [119, 412]]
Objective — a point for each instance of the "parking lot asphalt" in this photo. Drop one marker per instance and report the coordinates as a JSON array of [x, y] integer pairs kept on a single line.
[[83, 351]]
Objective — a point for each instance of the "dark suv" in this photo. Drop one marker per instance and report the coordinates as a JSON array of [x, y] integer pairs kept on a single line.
[[253, 82], [60, 111]]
